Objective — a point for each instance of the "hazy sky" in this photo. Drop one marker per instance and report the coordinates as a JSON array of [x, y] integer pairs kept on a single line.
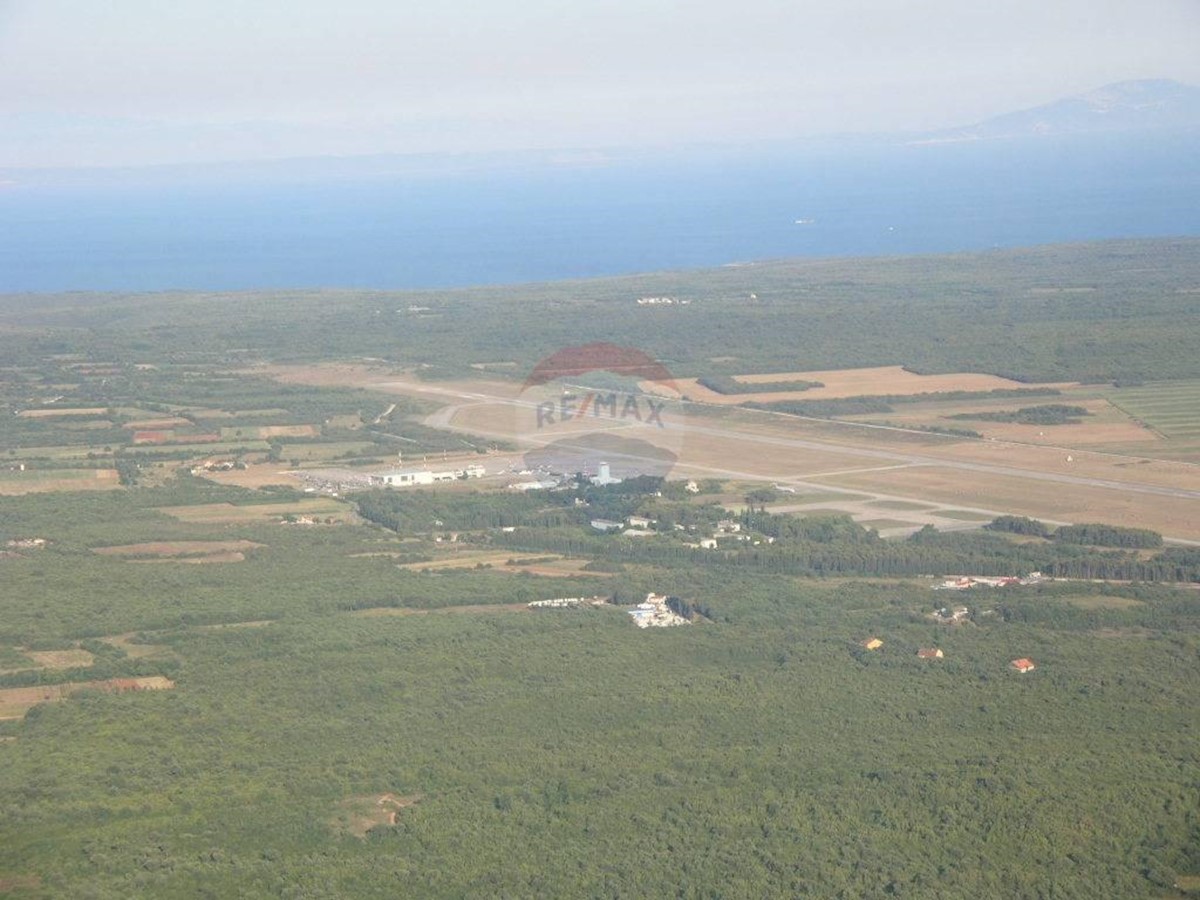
[[133, 81]]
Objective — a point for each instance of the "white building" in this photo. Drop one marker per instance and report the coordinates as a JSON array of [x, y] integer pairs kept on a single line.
[[403, 477]]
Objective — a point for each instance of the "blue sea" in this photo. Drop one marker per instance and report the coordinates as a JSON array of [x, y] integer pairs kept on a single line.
[[231, 228]]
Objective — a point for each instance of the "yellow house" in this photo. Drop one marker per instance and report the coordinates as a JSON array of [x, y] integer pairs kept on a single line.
[[872, 643]]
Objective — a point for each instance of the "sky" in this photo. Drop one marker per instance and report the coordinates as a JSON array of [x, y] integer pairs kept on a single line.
[[134, 82]]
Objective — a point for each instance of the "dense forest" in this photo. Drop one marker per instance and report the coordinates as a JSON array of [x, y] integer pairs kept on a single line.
[[1017, 313]]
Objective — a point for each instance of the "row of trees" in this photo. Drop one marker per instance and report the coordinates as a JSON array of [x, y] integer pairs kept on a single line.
[[1091, 534]]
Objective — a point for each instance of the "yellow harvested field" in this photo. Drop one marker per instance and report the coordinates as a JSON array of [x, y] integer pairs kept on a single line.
[[262, 432], [1047, 500], [54, 413], [33, 481], [15, 702], [873, 381], [1105, 425], [228, 514]]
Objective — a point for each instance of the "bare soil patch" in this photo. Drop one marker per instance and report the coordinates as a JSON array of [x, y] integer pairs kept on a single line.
[[356, 816]]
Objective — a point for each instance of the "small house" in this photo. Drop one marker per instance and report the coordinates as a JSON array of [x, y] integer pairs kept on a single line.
[[1023, 665], [930, 653], [872, 643]]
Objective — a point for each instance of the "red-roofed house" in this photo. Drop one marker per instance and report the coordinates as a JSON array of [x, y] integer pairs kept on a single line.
[[1023, 665]]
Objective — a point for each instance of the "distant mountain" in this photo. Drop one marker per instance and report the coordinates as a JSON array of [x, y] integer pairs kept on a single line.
[[1151, 105]]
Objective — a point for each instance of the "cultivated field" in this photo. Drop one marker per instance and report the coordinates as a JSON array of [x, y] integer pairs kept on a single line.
[[38, 480], [268, 431], [1170, 408], [159, 424]]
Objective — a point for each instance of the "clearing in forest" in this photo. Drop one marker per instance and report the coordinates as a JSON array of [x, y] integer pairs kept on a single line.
[[355, 816], [15, 702]]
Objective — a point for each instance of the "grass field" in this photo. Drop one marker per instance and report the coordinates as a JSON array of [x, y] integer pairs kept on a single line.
[[897, 504], [329, 450], [60, 451], [263, 432], [72, 658], [229, 514], [38, 480], [885, 524], [1170, 408], [1101, 601], [839, 383], [964, 515]]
